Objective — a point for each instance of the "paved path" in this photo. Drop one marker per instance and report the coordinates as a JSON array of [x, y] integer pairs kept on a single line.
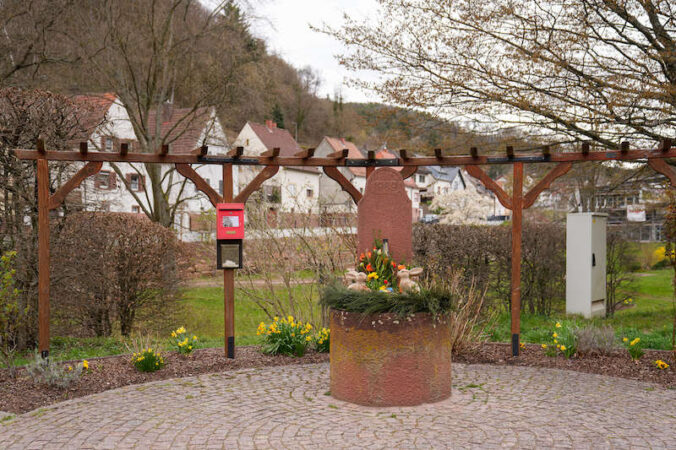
[[491, 406]]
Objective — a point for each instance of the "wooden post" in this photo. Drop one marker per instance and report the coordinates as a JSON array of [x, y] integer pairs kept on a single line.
[[228, 277], [43, 256], [517, 216]]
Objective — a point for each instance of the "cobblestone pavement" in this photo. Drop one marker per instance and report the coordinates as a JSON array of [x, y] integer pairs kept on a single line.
[[491, 406]]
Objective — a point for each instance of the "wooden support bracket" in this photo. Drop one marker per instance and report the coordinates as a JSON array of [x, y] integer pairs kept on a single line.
[[200, 183], [91, 168], [274, 153], [334, 174], [408, 171], [341, 154], [532, 195], [250, 188], [487, 181], [661, 166]]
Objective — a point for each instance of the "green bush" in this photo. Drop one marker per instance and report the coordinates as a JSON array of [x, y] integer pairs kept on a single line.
[[285, 337], [435, 301], [147, 360]]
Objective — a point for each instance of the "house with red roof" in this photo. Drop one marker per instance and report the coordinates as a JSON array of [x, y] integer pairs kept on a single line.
[[331, 196], [292, 189], [124, 187]]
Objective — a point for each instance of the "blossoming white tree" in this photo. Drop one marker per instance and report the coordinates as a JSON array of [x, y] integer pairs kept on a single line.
[[463, 207]]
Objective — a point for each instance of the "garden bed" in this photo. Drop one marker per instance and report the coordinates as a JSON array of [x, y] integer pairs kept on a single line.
[[21, 395]]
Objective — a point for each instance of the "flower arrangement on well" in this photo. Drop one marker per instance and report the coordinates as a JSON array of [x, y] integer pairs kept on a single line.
[[147, 360], [634, 347], [185, 342], [285, 336], [380, 284]]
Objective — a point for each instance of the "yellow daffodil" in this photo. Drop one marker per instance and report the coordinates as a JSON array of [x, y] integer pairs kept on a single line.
[[544, 345], [554, 335], [661, 364], [373, 276], [625, 339], [85, 365], [308, 338], [635, 341], [555, 341], [194, 338], [563, 348], [173, 334], [558, 325]]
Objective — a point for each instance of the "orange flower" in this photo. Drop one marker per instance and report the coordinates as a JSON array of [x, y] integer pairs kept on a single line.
[[394, 264], [361, 256], [385, 281], [369, 267], [401, 267], [368, 255]]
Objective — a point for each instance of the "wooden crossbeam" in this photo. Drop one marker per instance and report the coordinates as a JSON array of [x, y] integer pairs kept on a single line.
[[337, 159], [487, 181], [124, 149], [532, 195], [84, 148], [305, 154], [274, 153], [340, 154], [266, 173], [200, 183], [236, 152], [91, 168], [334, 174]]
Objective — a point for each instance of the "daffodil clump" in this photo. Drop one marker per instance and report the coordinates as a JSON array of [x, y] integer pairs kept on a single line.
[[286, 336], [323, 340], [185, 342], [563, 341], [661, 364], [634, 347], [147, 360]]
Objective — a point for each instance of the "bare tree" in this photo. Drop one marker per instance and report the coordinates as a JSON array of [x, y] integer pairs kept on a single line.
[[151, 53], [601, 70]]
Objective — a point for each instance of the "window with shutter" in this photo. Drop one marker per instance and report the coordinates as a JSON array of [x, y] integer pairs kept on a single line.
[[103, 180], [112, 180], [135, 182]]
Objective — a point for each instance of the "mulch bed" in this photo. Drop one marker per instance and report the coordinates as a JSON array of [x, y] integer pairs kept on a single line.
[[617, 364], [21, 395]]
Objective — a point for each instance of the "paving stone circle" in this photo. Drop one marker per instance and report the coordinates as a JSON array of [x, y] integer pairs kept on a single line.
[[284, 407]]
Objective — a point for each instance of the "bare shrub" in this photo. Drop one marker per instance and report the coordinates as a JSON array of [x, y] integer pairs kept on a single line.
[[116, 267], [620, 257], [285, 266], [592, 340], [482, 255]]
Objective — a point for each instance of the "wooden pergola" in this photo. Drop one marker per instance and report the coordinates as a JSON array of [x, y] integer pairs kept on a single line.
[[270, 162]]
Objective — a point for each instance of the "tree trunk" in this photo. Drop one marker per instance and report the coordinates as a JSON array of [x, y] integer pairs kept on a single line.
[[161, 211]]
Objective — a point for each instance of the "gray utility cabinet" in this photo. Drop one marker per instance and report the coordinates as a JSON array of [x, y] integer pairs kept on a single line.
[[586, 264]]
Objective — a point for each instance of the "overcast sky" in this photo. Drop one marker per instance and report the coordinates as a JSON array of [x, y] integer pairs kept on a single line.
[[284, 24]]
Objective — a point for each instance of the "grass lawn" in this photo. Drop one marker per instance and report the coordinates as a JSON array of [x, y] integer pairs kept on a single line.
[[651, 317]]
